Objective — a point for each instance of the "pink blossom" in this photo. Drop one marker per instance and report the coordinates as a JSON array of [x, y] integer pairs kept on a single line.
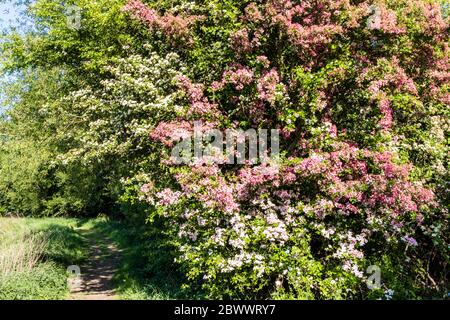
[[267, 85], [199, 104], [194, 91], [312, 165], [283, 194], [289, 177], [386, 111], [238, 77], [257, 111], [169, 132], [258, 175], [435, 22], [263, 60], [146, 188], [168, 197], [388, 21], [241, 42], [174, 26], [252, 13]]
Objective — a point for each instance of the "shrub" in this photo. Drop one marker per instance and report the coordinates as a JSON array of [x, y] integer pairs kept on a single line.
[[34, 255], [360, 96], [46, 281]]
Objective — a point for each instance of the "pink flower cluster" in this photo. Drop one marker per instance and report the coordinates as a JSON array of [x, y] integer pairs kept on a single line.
[[257, 176], [253, 14], [267, 86], [168, 197], [257, 111], [315, 164], [264, 61], [309, 25], [199, 104], [220, 195], [396, 78], [209, 188], [388, 21], [240, 40], [434, 22], [170, 132], [386, 111], [440, 76], [345, 177], [239, 77], [173, 26], [146, 188]]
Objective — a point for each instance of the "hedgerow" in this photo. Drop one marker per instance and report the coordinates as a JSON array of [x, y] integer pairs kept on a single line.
[[359, 91], [361, 101]]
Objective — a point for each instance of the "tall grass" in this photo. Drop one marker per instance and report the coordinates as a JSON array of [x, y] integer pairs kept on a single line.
[[22, 256], [20, 248], [34, 255]]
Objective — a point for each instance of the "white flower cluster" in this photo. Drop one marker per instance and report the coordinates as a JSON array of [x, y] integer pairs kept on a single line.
[[118, 114]]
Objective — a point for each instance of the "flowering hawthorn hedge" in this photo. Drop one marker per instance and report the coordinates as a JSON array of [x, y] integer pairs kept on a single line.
[[360, 93]]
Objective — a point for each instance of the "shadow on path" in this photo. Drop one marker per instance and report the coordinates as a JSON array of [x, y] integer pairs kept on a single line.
[[96, 281]]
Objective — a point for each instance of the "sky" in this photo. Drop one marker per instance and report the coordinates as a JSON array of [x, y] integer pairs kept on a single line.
[[9, 15]]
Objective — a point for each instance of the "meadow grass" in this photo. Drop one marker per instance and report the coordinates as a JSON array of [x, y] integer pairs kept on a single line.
[[146, 270], [34, 256]]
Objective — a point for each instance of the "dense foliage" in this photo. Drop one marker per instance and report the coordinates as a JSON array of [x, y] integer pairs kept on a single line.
[[358, 89], [34, 255]]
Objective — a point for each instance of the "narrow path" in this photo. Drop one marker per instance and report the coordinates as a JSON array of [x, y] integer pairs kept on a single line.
[[96, 281]]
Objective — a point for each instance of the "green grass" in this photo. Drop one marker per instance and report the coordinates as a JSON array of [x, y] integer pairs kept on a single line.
[[146, 270], [34, 256]]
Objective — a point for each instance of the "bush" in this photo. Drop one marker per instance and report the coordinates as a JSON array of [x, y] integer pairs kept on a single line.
[[358, 91], [34, 256], [46, 281], [360, 96]]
